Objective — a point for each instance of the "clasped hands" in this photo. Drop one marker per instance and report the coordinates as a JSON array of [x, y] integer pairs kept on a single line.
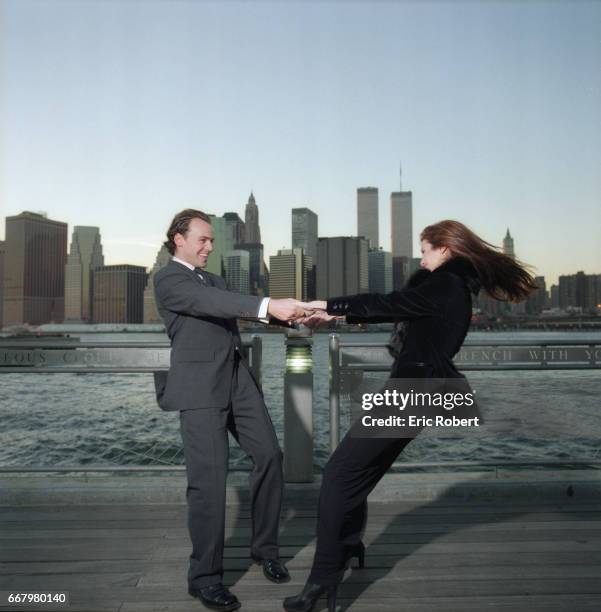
[[312, 314]]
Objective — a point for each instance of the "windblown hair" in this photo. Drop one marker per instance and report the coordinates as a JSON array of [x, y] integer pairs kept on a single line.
[[180, 225], [502, 276]]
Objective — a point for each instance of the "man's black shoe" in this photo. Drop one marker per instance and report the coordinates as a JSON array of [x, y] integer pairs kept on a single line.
[[216, 597], [274, 570]]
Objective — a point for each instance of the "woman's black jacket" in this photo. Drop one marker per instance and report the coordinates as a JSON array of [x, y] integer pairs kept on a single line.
[[437, 310]]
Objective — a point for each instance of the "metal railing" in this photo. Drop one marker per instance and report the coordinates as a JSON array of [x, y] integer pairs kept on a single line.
[[66, 356], [518, 355], [43, 357], [63, 355]]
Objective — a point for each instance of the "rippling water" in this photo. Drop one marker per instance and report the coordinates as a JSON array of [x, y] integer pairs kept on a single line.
[[112, 419]]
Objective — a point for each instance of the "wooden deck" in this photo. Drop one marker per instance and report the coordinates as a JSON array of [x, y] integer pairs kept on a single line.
[[442, 556]]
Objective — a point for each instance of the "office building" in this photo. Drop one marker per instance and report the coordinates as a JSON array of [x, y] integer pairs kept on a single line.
[[304, 231], [304, 236], [536, 302], [215, 261], [402, 270], [490, 306], [580, 292], [119, 294], [554, 297], [367, 215], [2, 243], [85, 255], [342, 266], [508, 247], [237, 270], [288, 274], [401, 223], [151, 314], [34, 270], [251, 222], [380, 271], [256, 271], [233, 231]]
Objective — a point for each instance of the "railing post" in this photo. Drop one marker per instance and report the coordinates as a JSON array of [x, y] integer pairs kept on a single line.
[[298, 406], [334, 392]]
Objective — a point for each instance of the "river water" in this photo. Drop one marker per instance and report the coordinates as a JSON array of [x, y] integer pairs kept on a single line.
[[113, 419]]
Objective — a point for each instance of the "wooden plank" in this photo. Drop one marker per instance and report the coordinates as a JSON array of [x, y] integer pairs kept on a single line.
[[85, 520], [67, 582], [391, 591], [299, 563], [78, 551], [438, 547], [394, 524], [399, 573], [295, 527], [555, 603], [49, 541], [169, 512], [589, 535]]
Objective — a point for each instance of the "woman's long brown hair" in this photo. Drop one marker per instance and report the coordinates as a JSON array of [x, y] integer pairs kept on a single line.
[[502, 276]]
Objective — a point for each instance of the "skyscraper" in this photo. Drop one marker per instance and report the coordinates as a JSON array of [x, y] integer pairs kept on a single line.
[[233, 231], [580, 291], [518, 309], [2, 250], [151, 314], [256, 267], [342, 266], [251, 222], [380, 271], [508, 245], [304, 236], [402, 270], [237, 270], [401, 223], [304, 231], [367, 215], [536, 302], [215, 262], [289, 271], [119, 294], [34, 270], [85, 255]]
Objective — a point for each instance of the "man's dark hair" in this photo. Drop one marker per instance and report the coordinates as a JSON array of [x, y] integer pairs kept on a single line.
[[181, 224]]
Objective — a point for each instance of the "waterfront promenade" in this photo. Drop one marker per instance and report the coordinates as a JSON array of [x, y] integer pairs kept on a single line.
[[506, 540]]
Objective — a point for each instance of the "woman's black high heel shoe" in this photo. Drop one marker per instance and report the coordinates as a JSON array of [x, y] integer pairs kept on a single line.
[[305, 601], [359, 552]]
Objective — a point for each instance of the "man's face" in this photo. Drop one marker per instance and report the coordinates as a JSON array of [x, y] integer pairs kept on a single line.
[[433, 257], [194, 247]]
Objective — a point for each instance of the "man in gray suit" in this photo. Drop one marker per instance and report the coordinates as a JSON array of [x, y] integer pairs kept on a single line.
[[211, 386]]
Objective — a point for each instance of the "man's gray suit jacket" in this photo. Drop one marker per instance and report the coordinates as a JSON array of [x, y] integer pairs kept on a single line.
[[200, 319]]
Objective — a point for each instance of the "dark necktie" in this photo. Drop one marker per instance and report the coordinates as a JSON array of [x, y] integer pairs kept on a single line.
[[205, 277]]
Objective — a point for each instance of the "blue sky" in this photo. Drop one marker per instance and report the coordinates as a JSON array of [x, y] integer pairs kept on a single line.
[[120, 113]]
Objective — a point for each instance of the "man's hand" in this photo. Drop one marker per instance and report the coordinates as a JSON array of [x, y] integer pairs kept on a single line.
[[319, 318], [287, 309], [315, 305]]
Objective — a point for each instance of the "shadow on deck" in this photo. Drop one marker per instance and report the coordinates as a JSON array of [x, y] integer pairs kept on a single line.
[[457, 552]]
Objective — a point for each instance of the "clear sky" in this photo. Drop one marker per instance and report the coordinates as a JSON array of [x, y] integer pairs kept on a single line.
[[120, 113]]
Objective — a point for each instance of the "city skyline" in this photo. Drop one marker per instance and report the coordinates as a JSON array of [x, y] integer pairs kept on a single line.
[[37, 262], [118, 115], [112, 261]]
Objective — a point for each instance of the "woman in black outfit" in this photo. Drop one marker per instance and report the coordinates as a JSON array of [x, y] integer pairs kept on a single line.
[[437, 308]]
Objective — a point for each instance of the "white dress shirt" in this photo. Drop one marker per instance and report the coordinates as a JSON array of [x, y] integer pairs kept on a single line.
[[261, 315]]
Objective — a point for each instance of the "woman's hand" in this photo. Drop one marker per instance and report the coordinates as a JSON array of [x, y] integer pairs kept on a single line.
[[318, 318]]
